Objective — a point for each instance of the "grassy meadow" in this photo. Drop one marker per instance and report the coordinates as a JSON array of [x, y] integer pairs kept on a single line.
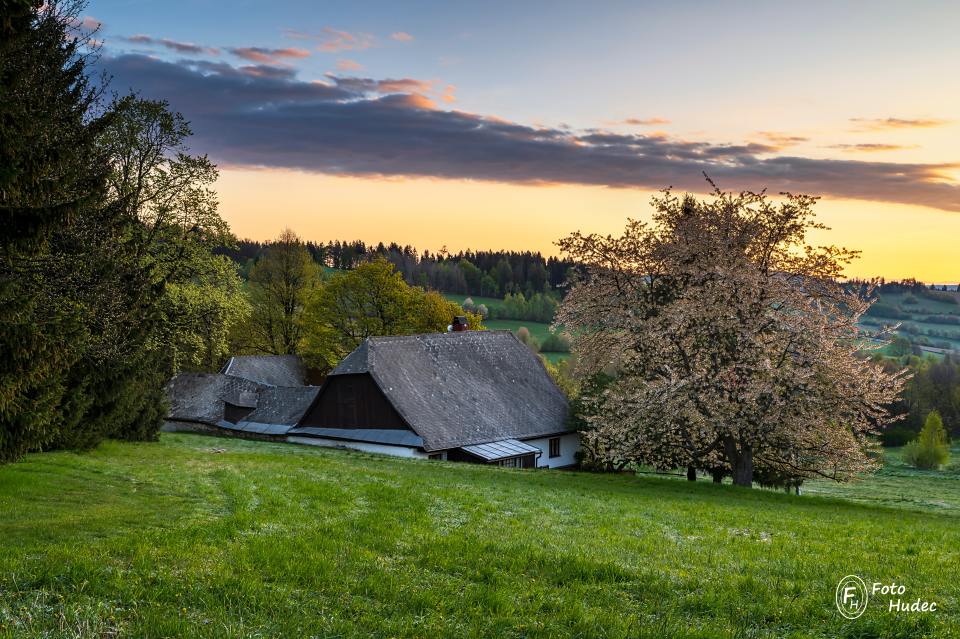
[[539, 330], [205, 537]]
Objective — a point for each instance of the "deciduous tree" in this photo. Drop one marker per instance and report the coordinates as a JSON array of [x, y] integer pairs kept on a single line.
[[731, 340], [280, 285]]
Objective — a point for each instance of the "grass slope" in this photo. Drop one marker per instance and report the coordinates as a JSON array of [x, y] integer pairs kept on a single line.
[[205, 537]]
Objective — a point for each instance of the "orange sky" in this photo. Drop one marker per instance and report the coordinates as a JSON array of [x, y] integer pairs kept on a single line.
[[897, 240]]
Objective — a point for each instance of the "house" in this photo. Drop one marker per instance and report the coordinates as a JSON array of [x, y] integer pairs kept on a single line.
[[474, 396]]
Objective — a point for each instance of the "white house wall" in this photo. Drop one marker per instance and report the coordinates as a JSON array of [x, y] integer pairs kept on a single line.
[[569, 445], [383, 449]]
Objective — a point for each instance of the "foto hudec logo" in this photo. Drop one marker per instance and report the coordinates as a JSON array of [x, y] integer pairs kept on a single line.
[[852, 596]]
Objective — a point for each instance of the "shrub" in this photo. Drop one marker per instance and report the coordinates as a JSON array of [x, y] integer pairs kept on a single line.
[[555, 343], [930, 450], [910, 299], [523, 334]]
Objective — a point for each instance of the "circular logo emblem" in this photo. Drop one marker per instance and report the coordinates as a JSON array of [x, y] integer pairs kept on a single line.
[[852, 596]]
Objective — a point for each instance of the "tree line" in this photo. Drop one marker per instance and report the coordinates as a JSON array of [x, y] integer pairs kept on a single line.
[[482, 273], [297, 308]]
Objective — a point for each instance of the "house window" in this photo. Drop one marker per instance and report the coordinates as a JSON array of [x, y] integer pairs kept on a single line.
[[437, 456], [513, 462], [554, 447]]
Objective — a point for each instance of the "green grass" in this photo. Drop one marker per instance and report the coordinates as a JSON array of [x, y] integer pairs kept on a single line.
[[205, 537], [491, 302], [900, 485]]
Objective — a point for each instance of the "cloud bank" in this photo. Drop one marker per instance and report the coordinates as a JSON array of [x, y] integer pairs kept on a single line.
[[264, 116]]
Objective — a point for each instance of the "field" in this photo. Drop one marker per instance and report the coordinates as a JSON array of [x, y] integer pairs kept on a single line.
[[917, 309], [538, 330], [204, 537]]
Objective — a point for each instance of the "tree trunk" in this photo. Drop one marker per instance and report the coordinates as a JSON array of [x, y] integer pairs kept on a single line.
[[741, 459], [718, 476], [691, 473]]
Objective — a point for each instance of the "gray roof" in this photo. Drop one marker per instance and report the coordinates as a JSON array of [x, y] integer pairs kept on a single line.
[[198, 397], [272, 370], [502, 449], [245, 399], [458, 389], [394, 436], [282, 404], [255, 427]]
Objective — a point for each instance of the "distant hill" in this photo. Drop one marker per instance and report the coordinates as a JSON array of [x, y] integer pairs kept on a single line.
[[928, 318]]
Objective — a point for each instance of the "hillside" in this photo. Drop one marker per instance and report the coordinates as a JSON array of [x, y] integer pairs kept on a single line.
[[226, 538], [928, 319]]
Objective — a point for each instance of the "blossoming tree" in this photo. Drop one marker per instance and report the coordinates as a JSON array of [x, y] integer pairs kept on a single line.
[[730, 344]]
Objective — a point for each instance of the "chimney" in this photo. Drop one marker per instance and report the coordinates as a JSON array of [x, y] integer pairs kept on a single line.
[[459, 324]]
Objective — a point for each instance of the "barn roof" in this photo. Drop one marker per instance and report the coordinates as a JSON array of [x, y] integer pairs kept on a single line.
[[459, 389], [272, 370], [198, 397], [282, 405]]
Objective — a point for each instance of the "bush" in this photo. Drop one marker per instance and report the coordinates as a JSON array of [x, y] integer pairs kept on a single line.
[[523, 334], [555, 343], [930, 450], [910, 299]]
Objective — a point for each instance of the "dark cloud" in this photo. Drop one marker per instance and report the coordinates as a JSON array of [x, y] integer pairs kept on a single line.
[[878, 124], [187, 48], [348, 126]]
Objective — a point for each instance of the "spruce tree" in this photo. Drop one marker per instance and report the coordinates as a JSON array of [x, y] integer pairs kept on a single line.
[[50, 172]]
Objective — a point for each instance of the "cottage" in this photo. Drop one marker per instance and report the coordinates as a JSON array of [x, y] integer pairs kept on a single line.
[[475, 396]]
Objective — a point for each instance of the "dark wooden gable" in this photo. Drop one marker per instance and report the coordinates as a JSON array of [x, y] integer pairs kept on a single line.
[[352, 401]]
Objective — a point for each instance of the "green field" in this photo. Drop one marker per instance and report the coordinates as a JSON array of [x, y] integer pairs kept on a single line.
[[204, 537], [914, 326], [538, 330]]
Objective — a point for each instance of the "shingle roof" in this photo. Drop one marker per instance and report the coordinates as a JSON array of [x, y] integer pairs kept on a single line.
[[458, 389], [198, 397], [272, 370], [282, 404]]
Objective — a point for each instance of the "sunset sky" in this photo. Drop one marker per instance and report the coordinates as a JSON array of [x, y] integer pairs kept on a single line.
[[510, 124]]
